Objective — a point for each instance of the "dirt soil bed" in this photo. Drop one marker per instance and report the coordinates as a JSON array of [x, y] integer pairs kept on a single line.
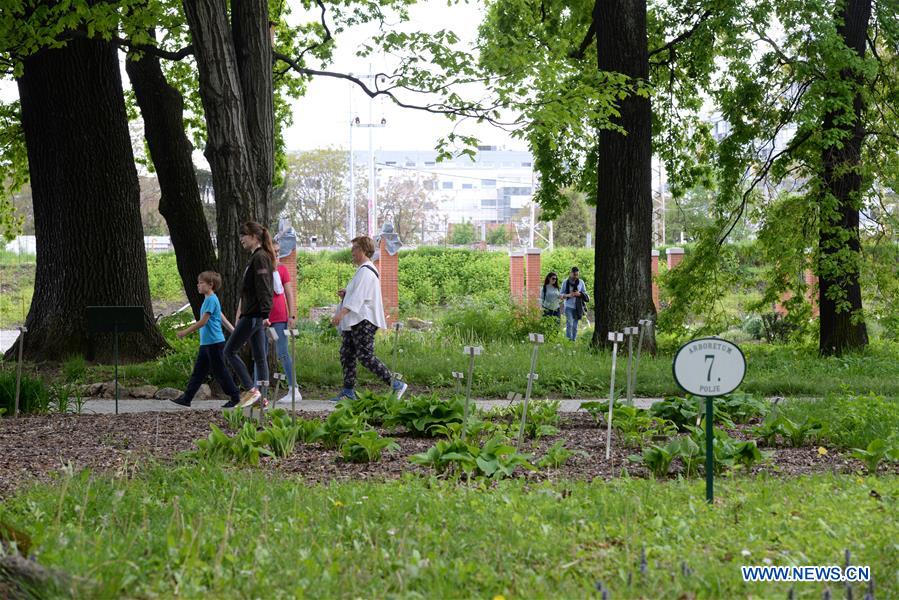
[[37, 447]]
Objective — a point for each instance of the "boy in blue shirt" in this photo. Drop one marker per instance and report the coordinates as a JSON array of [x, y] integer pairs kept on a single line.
[[212, 343]]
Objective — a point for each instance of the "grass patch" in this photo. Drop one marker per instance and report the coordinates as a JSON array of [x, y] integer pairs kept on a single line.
[[849, 421], [205, 531]]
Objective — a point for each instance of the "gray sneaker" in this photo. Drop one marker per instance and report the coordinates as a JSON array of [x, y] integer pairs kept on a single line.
[[399, 388]]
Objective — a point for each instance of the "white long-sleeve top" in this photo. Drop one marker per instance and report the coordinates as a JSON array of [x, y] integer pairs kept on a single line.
[[363, 299]]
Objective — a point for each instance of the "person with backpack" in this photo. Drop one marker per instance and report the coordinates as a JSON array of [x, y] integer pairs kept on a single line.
[[574, 292], [358, 318]]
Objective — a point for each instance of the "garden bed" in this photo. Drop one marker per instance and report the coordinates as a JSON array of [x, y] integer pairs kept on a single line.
[[36, 447]]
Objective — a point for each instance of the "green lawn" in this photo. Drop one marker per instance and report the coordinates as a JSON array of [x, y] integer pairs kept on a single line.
[[200, 531], [566, 370]]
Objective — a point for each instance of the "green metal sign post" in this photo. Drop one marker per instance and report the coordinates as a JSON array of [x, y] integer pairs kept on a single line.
[[709, 367]]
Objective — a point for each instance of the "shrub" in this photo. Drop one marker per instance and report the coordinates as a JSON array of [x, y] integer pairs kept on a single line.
[[33, 394], [849, 421]]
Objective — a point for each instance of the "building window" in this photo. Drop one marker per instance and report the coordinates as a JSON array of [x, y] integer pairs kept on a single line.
[[488, 203], [527, 164], [390, 163], [430, 163], [429, 184], [410, 163], [447, 185], [467, 186], [488, 183]]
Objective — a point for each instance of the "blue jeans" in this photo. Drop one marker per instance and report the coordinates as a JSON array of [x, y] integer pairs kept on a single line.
[[570, 324], [283, 353]]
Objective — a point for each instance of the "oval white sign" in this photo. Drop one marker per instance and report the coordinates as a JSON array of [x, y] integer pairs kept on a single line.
[[709, 367]]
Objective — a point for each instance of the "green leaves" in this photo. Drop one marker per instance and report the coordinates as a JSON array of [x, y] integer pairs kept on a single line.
[[367, 446], [876, 451], [495, 459]]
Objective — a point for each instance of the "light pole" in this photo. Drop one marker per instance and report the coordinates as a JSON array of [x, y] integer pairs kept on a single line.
[[372, 199]]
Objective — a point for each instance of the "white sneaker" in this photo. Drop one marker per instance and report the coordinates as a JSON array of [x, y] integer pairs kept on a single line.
[[286, 399]]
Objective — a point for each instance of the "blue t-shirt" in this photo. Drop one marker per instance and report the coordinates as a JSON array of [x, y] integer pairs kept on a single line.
[[211, 332]]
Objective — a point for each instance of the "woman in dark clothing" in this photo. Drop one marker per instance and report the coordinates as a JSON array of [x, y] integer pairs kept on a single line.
[[255, 303]]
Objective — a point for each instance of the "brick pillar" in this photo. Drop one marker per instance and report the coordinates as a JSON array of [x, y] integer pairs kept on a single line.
[[674, 256], [389, 268], [655, 282], [290, 262], [811, 292], [516, 275], [533, 275]]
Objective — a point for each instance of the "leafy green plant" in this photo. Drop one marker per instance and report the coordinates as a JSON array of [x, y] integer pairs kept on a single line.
[[769, 429], [34, 397], [656, 458], [367, 446], [685, 411], [636, 426], [421, 414], [689, 453], [235, 418], [742, 407], [340, 425], [244, 447], [556, 456], [543, 418], [496, 459], [280, 437], [373, 408], [726, 450], [74, 369], [850, 421], [796, 432], [876, 451]]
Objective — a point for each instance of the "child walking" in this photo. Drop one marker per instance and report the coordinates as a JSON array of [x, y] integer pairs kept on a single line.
[[212, 343]]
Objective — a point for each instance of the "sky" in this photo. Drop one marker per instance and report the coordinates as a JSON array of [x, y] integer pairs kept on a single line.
[[322, 117]]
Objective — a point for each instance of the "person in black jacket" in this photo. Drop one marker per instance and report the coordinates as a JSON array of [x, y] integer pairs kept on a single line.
[[255, 303]]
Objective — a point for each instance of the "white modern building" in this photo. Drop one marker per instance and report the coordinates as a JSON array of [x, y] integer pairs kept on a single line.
[[494, 188]]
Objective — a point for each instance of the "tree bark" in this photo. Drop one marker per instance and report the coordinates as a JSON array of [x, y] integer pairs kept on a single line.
[[228, 147], [841, 326], [623, 287], [162, 108], [252, 44], [86, 197]]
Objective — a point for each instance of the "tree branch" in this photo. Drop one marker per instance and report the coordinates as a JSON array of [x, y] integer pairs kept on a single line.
[[324, 40], [683, 36], [132, 47], [588, 38]]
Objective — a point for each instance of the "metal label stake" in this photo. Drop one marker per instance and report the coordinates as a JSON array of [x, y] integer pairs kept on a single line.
[[22, 329], [396, 340], [293, 389], [644, 324], [458, 376], [471, 351], [630, 332], [536, 339], [616, 337]]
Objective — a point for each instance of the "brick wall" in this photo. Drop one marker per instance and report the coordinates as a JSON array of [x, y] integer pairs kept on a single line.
[[655, 281], [290, 262], [516, 275], [389, 267], [674, 256], [533, 275]]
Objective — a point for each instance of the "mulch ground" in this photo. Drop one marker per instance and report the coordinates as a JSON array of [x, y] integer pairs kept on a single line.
[[36, 447]]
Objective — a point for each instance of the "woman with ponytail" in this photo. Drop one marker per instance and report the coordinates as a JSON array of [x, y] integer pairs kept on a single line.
[[253, 309]]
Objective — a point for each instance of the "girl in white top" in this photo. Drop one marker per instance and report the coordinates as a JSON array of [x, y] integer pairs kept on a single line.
[[358, 318]]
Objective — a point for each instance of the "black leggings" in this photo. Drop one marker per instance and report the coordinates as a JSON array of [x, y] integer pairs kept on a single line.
[[359, 344], [247, 329], [211, 358]]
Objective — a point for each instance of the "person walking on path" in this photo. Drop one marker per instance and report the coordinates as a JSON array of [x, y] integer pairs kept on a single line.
[[575, 294], [212, 343], [283, 316], [256, 295], [358, 317], [551, 296]]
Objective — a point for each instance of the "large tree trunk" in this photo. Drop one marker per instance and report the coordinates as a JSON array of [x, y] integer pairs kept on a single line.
[[228, 146], [623, 287], [252, 43], [162, 108], [841, 324], [90, 248]]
